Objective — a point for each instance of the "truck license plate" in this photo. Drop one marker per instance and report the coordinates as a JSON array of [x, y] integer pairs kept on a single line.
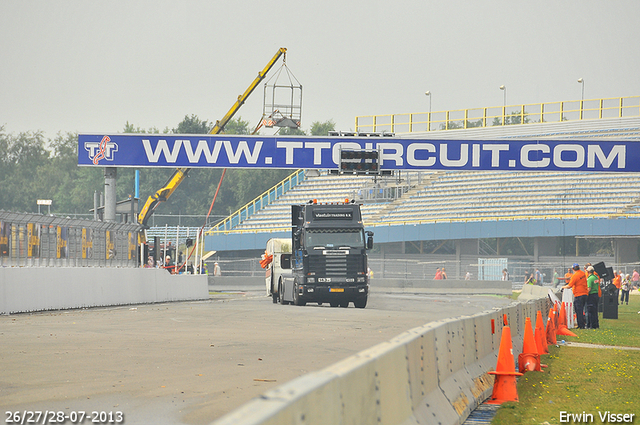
[[336, 290]]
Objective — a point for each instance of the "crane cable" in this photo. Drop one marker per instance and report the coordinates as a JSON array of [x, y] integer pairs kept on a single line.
[[224, 170]]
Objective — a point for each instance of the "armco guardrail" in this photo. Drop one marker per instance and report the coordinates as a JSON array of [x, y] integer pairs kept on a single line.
[[436, 373]]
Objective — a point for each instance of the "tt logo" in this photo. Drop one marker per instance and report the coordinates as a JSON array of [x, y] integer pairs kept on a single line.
[[105, 149]]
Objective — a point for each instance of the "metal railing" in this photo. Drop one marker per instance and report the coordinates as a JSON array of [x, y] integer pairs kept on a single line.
[[36, 240], [406, 222], [259, 202], [175, 234], [587, 109], [390, 188]]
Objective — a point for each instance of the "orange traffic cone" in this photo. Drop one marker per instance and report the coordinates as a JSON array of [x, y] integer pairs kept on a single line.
[[551, 328], [540, 335], [562, 318], [529, 359], [504, 384], [562, 323]]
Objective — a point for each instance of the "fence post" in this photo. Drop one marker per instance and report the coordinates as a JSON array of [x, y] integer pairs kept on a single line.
[[621, 102]]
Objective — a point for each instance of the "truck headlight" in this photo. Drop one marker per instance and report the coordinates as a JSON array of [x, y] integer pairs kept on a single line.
[[311, 280], [361, 278]]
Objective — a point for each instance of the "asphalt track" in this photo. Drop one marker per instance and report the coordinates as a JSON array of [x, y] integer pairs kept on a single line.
[[192, 362]]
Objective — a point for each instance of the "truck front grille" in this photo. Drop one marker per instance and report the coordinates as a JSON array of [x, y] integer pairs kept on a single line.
[[335, 265]]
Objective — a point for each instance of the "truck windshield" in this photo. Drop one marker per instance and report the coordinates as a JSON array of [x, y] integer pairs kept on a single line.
[[334, 238]]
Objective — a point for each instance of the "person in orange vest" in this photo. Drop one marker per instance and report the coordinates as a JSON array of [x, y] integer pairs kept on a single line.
[[567, 276], [578, 284], [617, 282]]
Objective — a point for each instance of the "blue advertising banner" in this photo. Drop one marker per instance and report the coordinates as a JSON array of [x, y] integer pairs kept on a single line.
[[231, 151]]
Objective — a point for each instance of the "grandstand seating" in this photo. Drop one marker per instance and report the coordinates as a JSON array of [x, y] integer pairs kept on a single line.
[[465, 195], [495, 195], [479, 195], [324, 188]]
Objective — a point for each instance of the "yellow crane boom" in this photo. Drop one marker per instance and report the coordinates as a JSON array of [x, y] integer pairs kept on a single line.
[[180, 174]]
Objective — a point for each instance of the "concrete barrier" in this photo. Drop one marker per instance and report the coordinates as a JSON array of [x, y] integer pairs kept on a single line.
[[430, 403], [533, 292], [27, 289], [436, 373]]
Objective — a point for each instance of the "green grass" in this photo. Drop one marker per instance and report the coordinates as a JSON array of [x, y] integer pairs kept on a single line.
[[622, 331], [581, 380]]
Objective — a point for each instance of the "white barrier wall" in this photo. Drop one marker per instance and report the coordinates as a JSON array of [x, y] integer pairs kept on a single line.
[[24, 289], [436, 373]]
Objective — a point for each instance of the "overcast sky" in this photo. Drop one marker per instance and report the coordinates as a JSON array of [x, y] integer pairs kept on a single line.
[[91, 66]]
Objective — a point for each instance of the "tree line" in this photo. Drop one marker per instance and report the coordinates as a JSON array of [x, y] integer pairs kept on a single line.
[[33, 168]]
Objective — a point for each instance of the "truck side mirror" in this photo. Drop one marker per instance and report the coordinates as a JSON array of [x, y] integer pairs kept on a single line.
[[369, 240]]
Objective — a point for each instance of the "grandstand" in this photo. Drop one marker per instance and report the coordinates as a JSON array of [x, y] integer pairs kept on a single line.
[[464, 195], [463, 206], [471, 195]]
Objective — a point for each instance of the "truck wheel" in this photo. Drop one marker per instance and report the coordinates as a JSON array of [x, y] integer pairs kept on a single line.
[[296, 297], [344, 304], [274, 293], [360, 302], [281, 293], [333, 304]]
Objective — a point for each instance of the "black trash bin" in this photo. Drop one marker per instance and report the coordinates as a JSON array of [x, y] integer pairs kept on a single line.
[[610, 302]]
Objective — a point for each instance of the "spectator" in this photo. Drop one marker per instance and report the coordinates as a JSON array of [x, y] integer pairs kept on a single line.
[[556, 278], [635, 278], [216, 270], [532, 279], [438, 275], [593, 283], [505, 274], [567, 276], [617, 282], [578, 284], [168, 264], [526, 277], [538, 277], [444, 273], [467, 276], [598, 276], [625, 288]]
